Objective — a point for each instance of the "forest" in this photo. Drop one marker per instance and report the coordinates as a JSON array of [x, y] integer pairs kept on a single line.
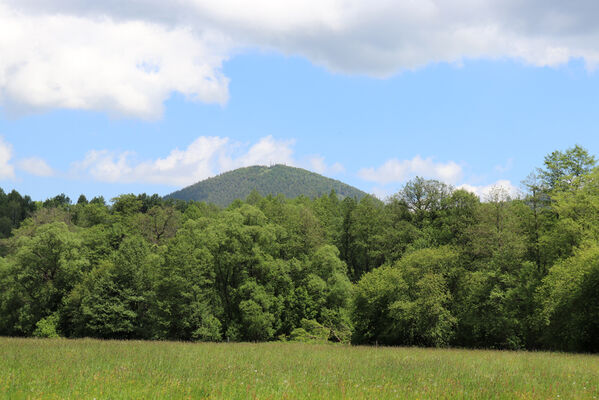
[[430, 266], [292, 182]]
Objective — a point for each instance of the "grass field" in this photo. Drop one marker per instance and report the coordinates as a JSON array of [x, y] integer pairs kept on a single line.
[[47, 369]]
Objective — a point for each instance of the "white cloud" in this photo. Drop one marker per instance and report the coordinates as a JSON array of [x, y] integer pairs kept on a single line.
[[487, 191], [127, 57], [35, 166], [122, 67], [381, 193], [318, 164], [7, 171], [267, 151], [395, 170], [203, 158]]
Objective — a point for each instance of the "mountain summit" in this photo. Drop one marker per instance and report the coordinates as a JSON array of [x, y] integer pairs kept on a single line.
[[292, 182]]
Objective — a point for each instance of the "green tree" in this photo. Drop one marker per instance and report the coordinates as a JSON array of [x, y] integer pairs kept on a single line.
[[44, 269], [409, 303], [158, 224], [60, 201], [364, 240], [126, 205], [425, 199], [241, 245], [569, 305], [375, 293], [188, 306], [492, 312], [562, 168], [114, 300]]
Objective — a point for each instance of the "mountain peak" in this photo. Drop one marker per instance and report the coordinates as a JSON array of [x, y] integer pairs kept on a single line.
[[276, 179]]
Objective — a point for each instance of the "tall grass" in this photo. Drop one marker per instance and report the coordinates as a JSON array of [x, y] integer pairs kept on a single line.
[[57, 369]]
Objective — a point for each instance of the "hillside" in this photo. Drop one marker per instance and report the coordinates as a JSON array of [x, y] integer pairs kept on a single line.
[[238, 184]]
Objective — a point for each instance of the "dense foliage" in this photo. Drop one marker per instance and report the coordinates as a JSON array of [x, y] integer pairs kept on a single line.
[[431, 266], [14, 208], [278, 179]]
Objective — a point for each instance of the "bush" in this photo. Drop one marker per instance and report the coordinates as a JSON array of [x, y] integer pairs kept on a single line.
[[46, 327], [310, 332]]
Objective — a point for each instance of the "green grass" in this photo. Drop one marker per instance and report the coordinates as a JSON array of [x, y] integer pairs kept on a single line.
[[55, 368]]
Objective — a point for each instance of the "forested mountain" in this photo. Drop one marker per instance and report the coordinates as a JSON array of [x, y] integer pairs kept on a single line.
[[279, 179], [431, 266]]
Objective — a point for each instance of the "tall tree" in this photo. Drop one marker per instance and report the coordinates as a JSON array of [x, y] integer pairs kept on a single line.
[[563, 167]]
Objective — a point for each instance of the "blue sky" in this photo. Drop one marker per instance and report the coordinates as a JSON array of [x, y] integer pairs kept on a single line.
[[476, 118]]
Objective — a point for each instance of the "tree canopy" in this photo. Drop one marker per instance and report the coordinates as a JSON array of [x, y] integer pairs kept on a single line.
[[430, 266]]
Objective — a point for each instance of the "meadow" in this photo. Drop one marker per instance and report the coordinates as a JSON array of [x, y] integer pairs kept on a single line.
[[86, 368]]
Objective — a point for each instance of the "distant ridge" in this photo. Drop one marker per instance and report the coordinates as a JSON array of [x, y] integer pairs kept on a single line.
[[292, 182]]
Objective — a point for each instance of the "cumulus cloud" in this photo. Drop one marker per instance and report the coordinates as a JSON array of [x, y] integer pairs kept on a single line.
[[500, 188], [395, 170], [267, 151], [381, 193], [7, 171], [318, 164], [35, 166], [127, 57], [203, 158], [123, 67]]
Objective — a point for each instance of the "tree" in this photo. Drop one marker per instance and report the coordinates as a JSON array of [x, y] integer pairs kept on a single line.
[[569, 305], [491, 310], [257, 321], [373, 320], [114, 300], [327, 210], [158, 224], [60, 201], [149, 202], [98, 200], [126, 204], [14, 208], [241, 246], [424, 198], [538, 221], [92, 214], [397, 232], [458, 213], [189, 307], [330, 288], [44, 269], [363, 239], [562, 168], [408, 303]]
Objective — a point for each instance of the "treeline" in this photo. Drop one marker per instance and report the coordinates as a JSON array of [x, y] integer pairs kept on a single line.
[[431, 266]]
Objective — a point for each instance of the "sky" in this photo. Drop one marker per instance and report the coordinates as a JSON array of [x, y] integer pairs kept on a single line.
[[112, 97]]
